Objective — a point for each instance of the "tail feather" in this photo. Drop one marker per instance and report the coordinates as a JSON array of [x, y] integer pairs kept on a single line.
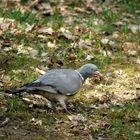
[[15, 91]]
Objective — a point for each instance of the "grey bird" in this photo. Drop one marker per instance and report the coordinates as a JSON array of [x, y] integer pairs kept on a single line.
[[60, 84]]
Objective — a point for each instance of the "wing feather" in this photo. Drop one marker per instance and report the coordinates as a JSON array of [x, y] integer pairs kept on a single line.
[[64, 81]]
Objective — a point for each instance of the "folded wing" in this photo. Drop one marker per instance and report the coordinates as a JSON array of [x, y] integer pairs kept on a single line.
[[63, 81]]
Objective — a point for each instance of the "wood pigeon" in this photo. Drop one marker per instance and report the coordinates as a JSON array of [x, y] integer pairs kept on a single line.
[[59, 84]]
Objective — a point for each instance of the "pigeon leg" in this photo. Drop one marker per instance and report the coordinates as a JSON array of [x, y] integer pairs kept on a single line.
[[62, 103]]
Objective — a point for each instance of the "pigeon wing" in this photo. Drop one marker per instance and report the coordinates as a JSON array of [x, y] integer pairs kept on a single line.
[[63, 81]]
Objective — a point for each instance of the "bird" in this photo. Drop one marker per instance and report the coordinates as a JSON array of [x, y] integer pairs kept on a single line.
[[59, 84]]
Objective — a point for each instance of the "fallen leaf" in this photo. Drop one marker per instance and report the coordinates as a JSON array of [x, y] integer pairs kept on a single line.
[[29, 27], [46, 30], [35, 121], [45, 8], [129, 46], [40, 71], [89, 57], [33, 53], [66, 33], [20, 71], [37, 100], [51, 45], [105, 41], [138, 61], [78, 117], [132, 53], [134, 28]]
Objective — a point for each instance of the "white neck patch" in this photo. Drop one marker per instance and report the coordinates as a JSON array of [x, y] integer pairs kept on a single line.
[[80, 75]]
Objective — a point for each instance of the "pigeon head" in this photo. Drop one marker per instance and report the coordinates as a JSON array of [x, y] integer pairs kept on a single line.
[[89, 70]]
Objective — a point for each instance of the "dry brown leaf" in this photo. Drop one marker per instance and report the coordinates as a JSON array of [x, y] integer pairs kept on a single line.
[[20, 71], [45, 8], [40, 71], [134, 28], [29, 27], [37, 100], [129, 46], [51, 45], [66, 33], [35, 121], [77, 120], [46, 30]]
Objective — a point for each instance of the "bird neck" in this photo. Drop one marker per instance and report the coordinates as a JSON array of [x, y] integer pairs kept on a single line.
[[83, 79], [82, 73]]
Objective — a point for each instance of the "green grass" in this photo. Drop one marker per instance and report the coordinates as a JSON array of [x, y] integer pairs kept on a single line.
[[125, 29], [16, 14], [16, 62], [111, 16], [108, 29], [130, 6], [123, 122]]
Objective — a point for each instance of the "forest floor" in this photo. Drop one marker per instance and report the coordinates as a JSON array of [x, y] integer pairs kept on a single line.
[[36, 36]]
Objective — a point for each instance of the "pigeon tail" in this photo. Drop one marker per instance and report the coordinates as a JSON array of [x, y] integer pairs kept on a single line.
[[15, 91]]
